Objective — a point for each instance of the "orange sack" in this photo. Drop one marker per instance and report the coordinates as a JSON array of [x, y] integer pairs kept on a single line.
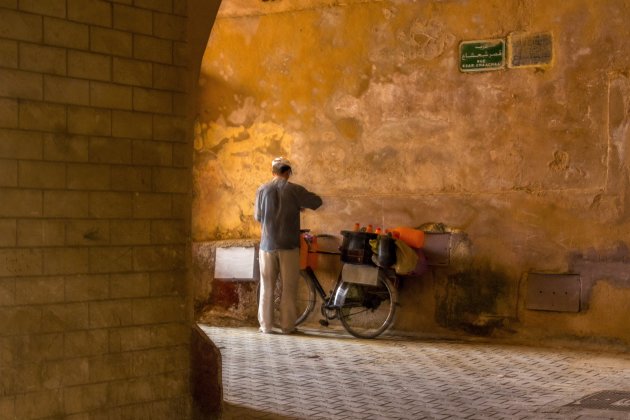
[[412, 237]]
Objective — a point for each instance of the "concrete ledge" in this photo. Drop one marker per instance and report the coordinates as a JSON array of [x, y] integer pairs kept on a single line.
[[205, 376], [222, 302]]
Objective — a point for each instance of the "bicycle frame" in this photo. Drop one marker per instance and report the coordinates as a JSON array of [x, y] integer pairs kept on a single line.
[[310, 274], [337, 295]]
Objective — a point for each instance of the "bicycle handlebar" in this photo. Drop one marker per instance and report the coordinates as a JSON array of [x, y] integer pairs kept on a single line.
[[324, 252], [309, 241]]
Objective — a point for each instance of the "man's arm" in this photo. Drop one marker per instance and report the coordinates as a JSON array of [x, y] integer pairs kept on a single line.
[[308, 199]]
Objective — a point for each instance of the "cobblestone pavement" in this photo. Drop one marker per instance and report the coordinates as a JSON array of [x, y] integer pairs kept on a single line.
[[318, 375]]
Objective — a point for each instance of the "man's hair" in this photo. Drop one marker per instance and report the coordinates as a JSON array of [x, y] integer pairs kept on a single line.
[[281, 170]]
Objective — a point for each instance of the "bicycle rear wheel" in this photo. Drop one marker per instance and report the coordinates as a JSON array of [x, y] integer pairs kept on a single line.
[[367, 311], [304, 302]]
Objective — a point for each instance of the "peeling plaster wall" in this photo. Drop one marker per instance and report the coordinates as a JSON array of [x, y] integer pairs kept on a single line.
[[366, 98]]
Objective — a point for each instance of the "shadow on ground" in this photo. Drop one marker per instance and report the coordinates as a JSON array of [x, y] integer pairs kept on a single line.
[[234, 412]]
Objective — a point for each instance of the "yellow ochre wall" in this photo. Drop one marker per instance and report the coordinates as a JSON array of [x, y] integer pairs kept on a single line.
[[366, 98]]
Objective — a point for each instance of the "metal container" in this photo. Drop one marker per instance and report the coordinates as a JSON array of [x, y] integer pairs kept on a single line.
[[386, 251], [355, 247]]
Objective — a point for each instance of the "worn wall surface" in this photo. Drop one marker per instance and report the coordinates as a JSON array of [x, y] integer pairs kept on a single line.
[[368, 101], [95, 169]]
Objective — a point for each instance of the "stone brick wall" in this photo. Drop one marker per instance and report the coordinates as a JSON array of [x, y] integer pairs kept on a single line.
[[94, 209]]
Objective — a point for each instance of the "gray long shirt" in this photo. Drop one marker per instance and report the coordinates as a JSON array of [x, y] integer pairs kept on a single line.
[[277, 208]]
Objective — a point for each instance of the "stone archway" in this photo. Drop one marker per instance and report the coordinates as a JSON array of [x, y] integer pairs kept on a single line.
[[205, 362]]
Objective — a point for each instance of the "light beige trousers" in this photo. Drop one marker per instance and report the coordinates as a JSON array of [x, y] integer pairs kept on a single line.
[[280, 265]]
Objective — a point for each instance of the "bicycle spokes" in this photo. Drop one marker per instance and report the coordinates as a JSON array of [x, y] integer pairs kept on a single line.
[[367, 311]]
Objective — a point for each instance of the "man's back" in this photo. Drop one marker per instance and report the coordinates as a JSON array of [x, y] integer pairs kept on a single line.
[[277, 208]]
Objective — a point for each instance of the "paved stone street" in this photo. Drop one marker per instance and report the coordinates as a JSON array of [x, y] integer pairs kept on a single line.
[[328, 375]]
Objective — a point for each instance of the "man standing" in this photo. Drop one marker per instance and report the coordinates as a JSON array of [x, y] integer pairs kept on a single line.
[[277, 208]]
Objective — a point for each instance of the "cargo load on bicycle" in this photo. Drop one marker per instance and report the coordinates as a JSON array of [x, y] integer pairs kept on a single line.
[[399, 248]]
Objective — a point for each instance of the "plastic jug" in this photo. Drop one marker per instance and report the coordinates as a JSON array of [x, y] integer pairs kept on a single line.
[[308, 259]]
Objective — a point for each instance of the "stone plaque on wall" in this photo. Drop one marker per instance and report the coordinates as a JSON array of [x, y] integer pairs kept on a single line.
[[481, 55], [235, 263], [530, 50]]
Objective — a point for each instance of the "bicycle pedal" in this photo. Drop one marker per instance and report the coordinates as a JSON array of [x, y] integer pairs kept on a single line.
[[323, 322]]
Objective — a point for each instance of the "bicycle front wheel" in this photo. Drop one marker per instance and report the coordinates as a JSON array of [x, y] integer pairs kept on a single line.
[[367, 311], [304, 302]]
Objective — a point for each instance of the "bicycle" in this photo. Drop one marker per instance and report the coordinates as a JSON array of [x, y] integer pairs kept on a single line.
[[365, 310]]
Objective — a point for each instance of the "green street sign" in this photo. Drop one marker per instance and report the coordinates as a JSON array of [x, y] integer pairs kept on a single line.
[[482, 55]]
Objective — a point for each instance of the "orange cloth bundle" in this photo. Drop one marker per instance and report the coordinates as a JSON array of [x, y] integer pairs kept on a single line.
[[412, 237]]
